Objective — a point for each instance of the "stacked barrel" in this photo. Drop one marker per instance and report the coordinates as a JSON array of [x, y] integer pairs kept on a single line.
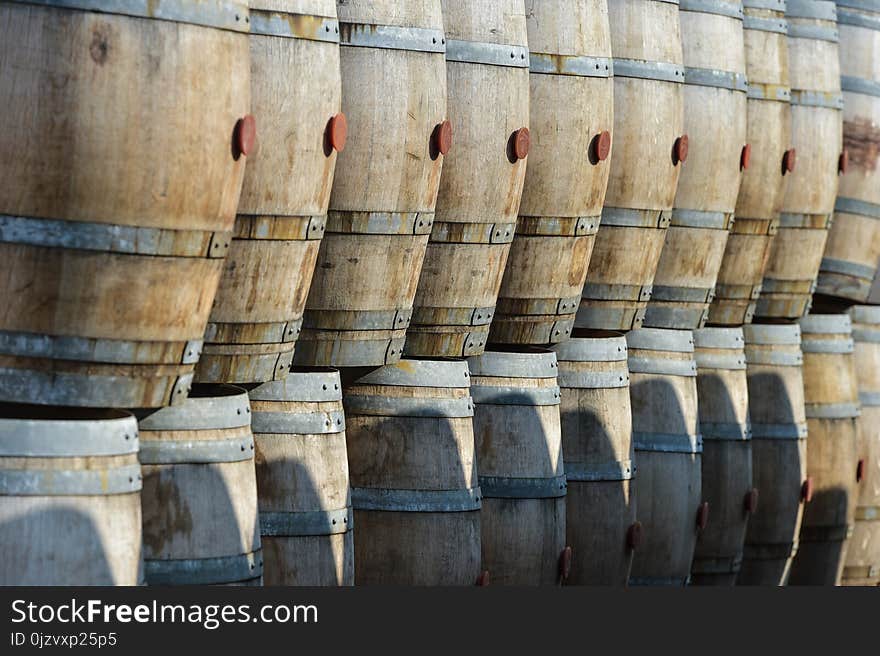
[[521, 289]]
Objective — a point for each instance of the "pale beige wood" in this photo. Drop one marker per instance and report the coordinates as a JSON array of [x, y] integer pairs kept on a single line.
[[65, 540], [829, 378], [565, 178], [779, 466], [201, 510], [648, 119], [722, 393], [596, 427], [481, 184], [303, 473], [669, 483], [522, 537], [395, 450], [295, 91], [393, 100], [817, 136], [862, 565]]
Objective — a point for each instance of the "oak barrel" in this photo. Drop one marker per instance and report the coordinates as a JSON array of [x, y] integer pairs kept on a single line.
[[487, 60], [779, 451], [571, 122], [649, 148], [817, 136], [70, 508], [863, 553], [600, 519], [295, 96], [853, 249], [200, 493], [715, 122], [663, 393], [723, 402], [768, 134], [386, 182], [129, 132], [519, 458], [415, 494], [832, 408], [302, 480]]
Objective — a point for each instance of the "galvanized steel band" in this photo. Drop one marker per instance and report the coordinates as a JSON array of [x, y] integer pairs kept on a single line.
[[772, 5], [832, 410], [302, 386], [492, 395], [170, 452], [455, 316], [761, 24], [490, 54], [605, 292], [717, 7], [710, 77], [825, 324], [587, 472], [299, 423], [204, 571], [288, 25], [450, 232], [799, 287], [725, 361], [538, 306], [770, 92], [810, 98], [280, 332], [813, 32], [719, 338], [112, 238], [591, 349], [202, 413], [67, 438], [506, 487], [818, 9], [805, 221], [380, 223], [865, 314], [552, 226], [701, 219], [655, 339], [593, 379], [220, 14], [385, 406], [514, 365], [70, 482], [420, 373], [301, 524], [860, 85], [725, 431], [864, 5], [391, 319], [573, 65], [841, 346], [855, 206], [669, 293], [649, 70], [392, 37], [870, 399], [856, 19], [625, 217], [847, 268], [388, 500], [866, 335], [667, 442]]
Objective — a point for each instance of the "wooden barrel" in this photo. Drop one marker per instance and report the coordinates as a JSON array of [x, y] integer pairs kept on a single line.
[[649, 149], [663, 393], [715, 122], [832, 407], [600, 518], [853, 249], [295, 96], [863, 554], [487, 59], [385, 189], [413, 475], [779, 451], [817, 135], [302, 480], [571, 123], [519, 457], [768, 133], [723, 401], [200, 491], [70, 507], [117, 208]]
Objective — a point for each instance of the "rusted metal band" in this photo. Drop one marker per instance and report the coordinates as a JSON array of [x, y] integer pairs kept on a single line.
[[299, 423], [649, 70], [667, 442], [489, 54], [505, 395], [710, 77], [605, 292], [855, 206], [86, 349], [111, 238], [380, 223], [458, 316], [220, 14], [259, 227], [392, 37], [832, 410], [857, 19], [770, 92], [587, 472], [717, 7], [294, 26], [551, 226], [761, 24], [847, 268], [391, 319], [280, 332], [701, 219], [576, 66], [810, 98], [391, 500], [725, 431], [372, 405], [306, 523], [70, 482], [205, 571], [625, 217], [228, 407], [449, 232], [505, 487]]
